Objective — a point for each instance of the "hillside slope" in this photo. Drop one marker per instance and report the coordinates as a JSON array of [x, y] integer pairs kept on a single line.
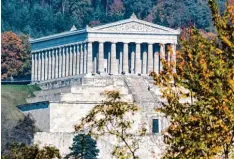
[[11, 96]]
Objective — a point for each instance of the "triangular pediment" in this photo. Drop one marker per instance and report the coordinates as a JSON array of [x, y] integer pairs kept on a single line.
[[134, 26]]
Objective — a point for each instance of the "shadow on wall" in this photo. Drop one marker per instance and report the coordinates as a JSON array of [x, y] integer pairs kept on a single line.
[[23, 132]]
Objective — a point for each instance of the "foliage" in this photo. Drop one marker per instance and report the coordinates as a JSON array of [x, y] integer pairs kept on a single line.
[[15, 55], [25, 69], [114, 117], [83, 147], [203, 126], [117, 10], [21, 151], [12, 54], [81, 11], [42, 17]]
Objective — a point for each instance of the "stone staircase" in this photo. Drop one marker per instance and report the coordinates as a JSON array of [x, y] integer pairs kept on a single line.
[[143, 97]]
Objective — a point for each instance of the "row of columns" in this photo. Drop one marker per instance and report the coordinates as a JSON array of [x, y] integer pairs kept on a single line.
[[61, 62], [79, 58], [139, 62]]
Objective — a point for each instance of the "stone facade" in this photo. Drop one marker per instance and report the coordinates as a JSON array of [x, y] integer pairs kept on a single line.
[[129, 46], [57, 117], [75, 67]]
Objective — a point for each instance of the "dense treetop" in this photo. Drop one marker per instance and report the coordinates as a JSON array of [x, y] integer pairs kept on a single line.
[[44, 17]]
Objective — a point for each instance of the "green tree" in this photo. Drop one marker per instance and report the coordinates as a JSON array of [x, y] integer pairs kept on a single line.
[[112, 118], [141, 8], [21, 151], [83, 147], [25, 69], [81, 11], [202, 127]]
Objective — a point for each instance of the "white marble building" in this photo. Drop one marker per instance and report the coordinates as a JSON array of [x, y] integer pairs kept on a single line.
[[73, 68], [130, 46]]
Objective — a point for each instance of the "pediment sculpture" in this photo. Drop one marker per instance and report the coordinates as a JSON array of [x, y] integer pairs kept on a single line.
[[133, 27]]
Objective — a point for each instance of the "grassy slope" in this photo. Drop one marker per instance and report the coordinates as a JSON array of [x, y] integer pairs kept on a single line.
[[12, 95]]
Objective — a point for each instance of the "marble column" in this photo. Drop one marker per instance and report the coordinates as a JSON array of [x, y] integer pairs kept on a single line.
[[36, 67], [94, 65], [74, 60], [144, 63], [120, 62], [150, 58], [162, 55], [39, 66], [138, 58], [46, 65], [53, 63], [43, 65], [133, 62], [49, 65], [81, 59], [33, 68], [109, 63], [67, 61], [90, 58], [125, 58], [113, 59], [78, 59], [117, 66], [64, 62], [101, 57], [85, 57], [70, 60], [156, 62], [58, 64]]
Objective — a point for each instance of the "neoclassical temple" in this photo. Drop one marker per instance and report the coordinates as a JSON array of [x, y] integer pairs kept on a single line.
[[130, 46]]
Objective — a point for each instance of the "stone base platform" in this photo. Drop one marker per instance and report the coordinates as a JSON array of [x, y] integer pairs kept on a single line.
[[58, 107]]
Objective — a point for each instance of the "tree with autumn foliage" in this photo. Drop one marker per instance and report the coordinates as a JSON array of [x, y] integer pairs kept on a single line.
[[114, 118], [15, 55], [203, 126]]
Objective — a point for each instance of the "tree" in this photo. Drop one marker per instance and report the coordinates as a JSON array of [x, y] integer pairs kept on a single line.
[[117, 9], [114, 117], [81, 11], [12, 54], [25, 69], [141, 8], [16, 55], [21, 151], [83, 147], [202, 127]]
